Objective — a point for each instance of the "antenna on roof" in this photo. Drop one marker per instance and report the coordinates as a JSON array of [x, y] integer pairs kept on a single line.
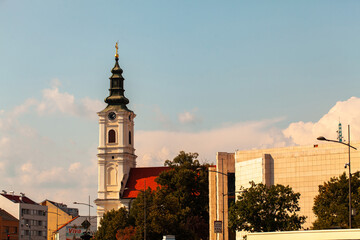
[[339, 132]]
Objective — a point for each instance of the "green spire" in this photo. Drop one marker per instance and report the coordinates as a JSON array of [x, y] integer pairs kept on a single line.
[[116, 97]]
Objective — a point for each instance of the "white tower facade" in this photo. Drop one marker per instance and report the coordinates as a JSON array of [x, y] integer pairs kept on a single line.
[[116, 152]]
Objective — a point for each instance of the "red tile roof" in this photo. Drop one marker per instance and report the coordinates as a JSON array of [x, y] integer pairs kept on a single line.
[[66, 223], [18, 199], [139, 177]]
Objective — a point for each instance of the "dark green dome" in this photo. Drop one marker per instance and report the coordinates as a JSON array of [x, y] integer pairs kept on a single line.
[[116, 96]]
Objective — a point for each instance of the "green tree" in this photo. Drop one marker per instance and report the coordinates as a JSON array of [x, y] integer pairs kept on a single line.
[[187, 183], [111, 222], [262, 208], [331, 205], [162, 215], [179, 206], [138, 209]]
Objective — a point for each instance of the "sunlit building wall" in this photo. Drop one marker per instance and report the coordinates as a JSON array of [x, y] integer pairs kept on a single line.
[[303, 168]]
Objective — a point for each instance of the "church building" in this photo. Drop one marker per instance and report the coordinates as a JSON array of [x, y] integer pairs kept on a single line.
[[119, 180]]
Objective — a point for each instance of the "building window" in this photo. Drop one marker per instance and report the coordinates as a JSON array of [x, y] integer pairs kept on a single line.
[[112, 138], [25, 211], [129, 137]]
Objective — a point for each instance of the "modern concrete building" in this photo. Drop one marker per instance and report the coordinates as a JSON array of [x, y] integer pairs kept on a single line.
[[221, 192], [303, 168], [57, 215], [31, 215]]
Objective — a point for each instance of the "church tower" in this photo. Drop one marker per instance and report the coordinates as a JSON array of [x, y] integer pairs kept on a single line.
[[116, 153]]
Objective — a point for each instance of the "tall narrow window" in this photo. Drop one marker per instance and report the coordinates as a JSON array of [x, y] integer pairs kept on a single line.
[[129, 137], [111, 177], [112, 136]]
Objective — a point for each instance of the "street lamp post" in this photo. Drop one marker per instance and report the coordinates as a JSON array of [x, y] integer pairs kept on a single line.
[[86, 204], [223, 198], [321, 138]]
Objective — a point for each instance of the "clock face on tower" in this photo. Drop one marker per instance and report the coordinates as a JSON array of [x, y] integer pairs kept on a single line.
[[112, 116]]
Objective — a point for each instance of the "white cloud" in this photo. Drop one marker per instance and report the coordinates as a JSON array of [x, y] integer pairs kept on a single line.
[[54, 101], [74, 167], [154, 147], [346, 111], [67, 172], [246, 135], [186, 117], [189, 117], [52, 175], [40, 166], [27, 168], [24, 108], [91, 106]]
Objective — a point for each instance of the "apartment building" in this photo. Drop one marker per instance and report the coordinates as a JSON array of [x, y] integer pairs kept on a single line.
[[31, 215]]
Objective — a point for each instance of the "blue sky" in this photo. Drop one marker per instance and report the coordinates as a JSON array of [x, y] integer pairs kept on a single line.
[[231, 75]]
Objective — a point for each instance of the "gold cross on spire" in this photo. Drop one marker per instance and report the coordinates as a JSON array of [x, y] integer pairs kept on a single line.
[[117, 47]]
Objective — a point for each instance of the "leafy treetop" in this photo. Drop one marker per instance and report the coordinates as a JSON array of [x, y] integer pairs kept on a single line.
[[331, 205], [262, 208], [111, 222]]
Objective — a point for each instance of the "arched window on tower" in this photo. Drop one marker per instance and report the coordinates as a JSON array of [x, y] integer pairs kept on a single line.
[[111, 176], [130, 137], [112, 137]]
